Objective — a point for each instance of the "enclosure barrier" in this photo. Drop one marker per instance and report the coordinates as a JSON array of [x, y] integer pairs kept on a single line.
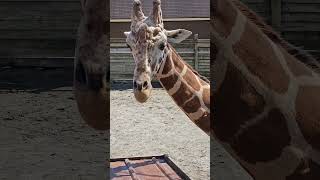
[[43, 35]]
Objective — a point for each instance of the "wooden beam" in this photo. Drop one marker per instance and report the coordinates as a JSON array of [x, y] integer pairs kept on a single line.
[[44, 62], [276, 14], [196, 52]]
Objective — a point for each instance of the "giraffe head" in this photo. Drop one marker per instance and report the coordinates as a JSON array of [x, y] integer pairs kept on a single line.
[[148, 41]]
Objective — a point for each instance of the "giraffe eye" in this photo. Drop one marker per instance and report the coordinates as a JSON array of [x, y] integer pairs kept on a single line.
[[161, 46], [155, 33]]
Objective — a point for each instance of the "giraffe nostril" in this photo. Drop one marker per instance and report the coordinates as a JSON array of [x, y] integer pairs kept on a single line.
[[145, 85], [135, 85]]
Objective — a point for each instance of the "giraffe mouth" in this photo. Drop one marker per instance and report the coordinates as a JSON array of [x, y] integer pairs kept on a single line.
[[143, 95]]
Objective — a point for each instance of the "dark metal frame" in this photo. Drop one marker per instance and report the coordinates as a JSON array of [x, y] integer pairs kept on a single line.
[[164, 157]]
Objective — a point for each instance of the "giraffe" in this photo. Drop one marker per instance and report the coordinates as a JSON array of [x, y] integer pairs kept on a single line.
[[155, 58], [266, 97], [90, 65]]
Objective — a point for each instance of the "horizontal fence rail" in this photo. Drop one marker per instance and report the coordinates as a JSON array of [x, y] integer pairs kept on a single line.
[[298, 21], [195, 52]]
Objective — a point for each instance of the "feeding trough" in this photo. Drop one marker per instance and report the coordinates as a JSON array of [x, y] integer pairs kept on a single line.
[[145, 168]]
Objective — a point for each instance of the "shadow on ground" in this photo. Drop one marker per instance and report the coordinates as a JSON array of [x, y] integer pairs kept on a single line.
[[35, 80], [42, 135]]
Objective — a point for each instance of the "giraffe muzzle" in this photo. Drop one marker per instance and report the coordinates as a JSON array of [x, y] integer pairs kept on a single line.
[[142, 91]]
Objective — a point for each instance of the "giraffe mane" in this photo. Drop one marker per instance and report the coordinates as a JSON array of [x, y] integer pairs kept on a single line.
[[302, 55], [190, 67]]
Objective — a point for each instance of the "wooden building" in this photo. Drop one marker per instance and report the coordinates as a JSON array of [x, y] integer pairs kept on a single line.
[[193, 15], [42, 32]]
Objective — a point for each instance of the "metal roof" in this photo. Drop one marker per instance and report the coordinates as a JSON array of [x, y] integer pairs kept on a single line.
[[121, 9]]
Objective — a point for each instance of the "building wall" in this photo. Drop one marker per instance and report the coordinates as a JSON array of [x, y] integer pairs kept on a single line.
[[121, 9]]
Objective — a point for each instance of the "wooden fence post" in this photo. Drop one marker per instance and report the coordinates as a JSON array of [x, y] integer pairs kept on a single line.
[[196, 52], [276, 14]]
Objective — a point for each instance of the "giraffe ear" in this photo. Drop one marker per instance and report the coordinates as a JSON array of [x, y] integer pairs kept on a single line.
[[177, 36]]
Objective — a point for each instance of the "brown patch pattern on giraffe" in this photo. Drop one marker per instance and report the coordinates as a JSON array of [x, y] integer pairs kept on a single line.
[[301, 172], [192, 106], [308, 114], [168, 82], [204, 122], [224, 22], [296, 67], [167, 66], [191, 79], [261, 61], [231, 110], [178, 64], [183, 94], [265, 140]]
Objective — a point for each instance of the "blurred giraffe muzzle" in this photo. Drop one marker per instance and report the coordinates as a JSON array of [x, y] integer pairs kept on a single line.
[[142, 90]]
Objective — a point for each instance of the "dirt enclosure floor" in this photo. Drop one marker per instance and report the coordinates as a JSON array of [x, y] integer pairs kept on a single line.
[[43, 137], [159, 127], [155, 128]]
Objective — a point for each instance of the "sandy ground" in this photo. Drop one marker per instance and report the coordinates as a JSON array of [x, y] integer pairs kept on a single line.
[[155, 128], [43, 137], [160, 127]]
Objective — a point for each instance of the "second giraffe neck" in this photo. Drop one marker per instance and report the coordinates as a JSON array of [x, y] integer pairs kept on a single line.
[[187, 89]]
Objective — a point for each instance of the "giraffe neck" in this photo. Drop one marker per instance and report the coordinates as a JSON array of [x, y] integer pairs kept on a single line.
[[188, 91], [261, 113]]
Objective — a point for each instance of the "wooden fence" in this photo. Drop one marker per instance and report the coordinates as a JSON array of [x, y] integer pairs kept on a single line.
[[38, 32], [297, 20], [194, 51]]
